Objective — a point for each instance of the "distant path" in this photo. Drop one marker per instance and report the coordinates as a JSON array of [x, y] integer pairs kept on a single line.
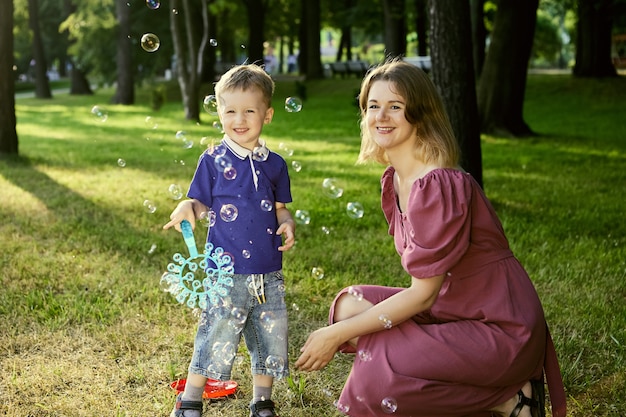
[[31, 94]]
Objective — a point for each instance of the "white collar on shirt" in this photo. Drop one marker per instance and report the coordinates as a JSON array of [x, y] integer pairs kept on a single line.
[[242, 152]]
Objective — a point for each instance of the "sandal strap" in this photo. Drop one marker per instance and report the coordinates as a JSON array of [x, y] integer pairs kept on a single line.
[[523, 400], [262, 405], [188, 405]]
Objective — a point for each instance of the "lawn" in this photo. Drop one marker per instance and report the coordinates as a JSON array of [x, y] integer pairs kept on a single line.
[[87, 330]]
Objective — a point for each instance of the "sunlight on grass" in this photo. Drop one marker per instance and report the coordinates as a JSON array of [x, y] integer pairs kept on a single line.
[[87, 330]]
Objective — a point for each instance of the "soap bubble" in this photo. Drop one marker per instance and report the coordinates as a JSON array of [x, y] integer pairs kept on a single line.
[[296, 166], [302, 217], [149, 206], [152, 249], [354, 210], [153, 4], [325, 230], [267, 321], [331, 189], [266, 205], [365, 355], [230, 173], [229, 213], [385, 321], [238, 318], [216, 150], [317, 272], [207, 218], [389, 405], [99, 113], [222, 162], [227, 259], [150, 42], [356, 293], [181, 136], [121, 163], [210, 104], [293, 104], [213, 42], [218, 126], [175, 192], [283, 147], [151, 123], [275, 365], [246, 254], [224, 352], [260, 153], [344, 408]]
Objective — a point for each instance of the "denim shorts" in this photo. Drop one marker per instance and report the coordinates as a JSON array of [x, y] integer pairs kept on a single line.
[[254, 308]]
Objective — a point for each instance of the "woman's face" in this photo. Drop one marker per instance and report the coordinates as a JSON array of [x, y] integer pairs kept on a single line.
[[386, 121]]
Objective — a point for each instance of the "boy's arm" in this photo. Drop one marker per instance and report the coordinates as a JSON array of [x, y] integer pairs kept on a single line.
[[186, 210], [286, 226]]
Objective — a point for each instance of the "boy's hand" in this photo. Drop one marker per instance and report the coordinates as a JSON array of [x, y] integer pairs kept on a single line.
[[287, 229], [184, 211]]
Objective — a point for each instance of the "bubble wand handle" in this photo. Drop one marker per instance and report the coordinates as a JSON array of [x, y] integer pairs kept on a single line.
[[187, 231]]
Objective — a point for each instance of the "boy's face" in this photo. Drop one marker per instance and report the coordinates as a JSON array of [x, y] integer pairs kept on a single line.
[[243, 114]]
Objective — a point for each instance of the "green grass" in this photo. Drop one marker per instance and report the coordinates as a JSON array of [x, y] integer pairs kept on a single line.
[[87, 331]]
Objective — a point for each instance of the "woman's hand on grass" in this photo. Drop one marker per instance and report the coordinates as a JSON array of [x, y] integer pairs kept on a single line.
[[318, 350]]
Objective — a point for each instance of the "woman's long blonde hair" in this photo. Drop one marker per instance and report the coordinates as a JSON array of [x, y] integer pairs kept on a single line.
[[435, 142]]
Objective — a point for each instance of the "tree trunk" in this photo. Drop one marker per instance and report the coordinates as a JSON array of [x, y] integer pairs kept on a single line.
[[345, 43], [453, 73], [502, 83], [125, 91], [479, 34], [79, 84], [8, 134], [189, 51], [593, 42], [395, 27], [228, 49], [256, 31], [421, 26], [42, 86], [310, 51]]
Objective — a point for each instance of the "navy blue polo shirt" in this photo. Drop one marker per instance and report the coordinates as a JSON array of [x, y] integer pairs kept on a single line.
[[242, 191]]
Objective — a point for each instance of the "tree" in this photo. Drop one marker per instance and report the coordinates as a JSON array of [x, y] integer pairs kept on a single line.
[[421, 26], [309, 60], [125, 90], [42, 86], [502, 83], [8, 134], [593, 41], [479, 34], [453, 73], [395, 27], [256, 30], [79, 84], [190, 41]]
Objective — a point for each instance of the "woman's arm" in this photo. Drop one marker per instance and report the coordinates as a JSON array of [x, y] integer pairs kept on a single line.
[[322, 344]]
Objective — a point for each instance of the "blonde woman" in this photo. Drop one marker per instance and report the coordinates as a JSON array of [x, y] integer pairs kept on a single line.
[[467, 336]]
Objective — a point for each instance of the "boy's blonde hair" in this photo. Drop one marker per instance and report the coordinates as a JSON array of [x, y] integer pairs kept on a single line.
[[246, 77], [435, 142]]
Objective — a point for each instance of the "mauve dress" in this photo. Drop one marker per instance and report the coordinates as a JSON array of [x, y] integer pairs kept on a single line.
[[485, 335]]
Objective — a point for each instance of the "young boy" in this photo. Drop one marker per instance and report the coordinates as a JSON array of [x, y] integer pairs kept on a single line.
[[245, 187]]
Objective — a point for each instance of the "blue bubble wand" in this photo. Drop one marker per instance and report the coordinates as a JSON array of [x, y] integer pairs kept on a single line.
[[201, 278]]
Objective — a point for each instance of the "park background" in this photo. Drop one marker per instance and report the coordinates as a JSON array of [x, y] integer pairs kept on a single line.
[[87, 328]]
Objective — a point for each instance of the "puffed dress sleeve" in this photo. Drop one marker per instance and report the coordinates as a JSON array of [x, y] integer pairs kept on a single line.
[[437, 224]]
